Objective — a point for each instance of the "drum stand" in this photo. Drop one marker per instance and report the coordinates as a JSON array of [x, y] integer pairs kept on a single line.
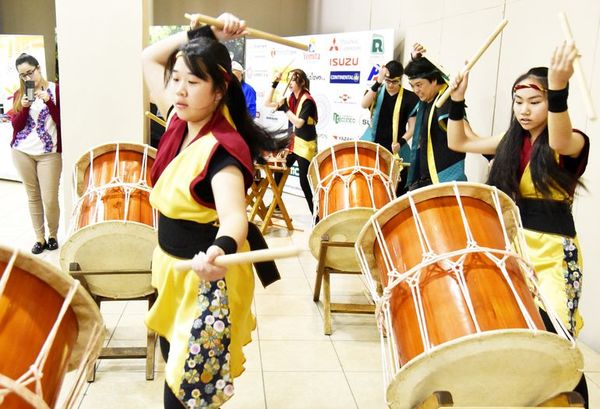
[[323, 276], [149, 351], [259, 187], [443, 399]]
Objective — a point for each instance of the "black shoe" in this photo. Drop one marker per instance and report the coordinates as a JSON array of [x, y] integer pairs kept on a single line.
[[38, 247], [52, 244]]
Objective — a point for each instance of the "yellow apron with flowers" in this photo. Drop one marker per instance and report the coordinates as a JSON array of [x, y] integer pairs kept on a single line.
[[177, 306], [557, 262]]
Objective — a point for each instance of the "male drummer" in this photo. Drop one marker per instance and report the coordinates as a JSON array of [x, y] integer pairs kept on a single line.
[[392, 108], [431, 160]]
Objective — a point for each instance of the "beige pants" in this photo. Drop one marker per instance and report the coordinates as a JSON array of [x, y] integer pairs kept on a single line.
[[41, 177]]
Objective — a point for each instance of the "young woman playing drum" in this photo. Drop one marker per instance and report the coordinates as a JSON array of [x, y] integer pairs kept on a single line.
[[202, 169], [538, 163], [301, 111]]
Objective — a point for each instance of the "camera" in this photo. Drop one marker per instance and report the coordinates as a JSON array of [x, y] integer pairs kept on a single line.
[[29, 88]]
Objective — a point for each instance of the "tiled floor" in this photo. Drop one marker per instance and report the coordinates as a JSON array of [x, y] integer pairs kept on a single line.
[[291, 364]]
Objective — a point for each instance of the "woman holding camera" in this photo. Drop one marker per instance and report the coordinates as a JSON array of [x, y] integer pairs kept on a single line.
[[36, 148]]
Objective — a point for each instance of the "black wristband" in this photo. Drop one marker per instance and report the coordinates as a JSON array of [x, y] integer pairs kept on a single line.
[[228, 244], [375, 87], [203, 31], [557, 100], [274, 84], [456, 111]]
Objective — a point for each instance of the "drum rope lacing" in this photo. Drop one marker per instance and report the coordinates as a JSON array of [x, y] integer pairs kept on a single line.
[[35, 374], [117, 181], [429, 257], [325, 185]]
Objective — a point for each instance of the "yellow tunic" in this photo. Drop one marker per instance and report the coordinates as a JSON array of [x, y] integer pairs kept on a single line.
[[176, 307], [559, 280]]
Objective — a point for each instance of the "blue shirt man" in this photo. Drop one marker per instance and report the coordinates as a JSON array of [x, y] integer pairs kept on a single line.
[[249, 92]]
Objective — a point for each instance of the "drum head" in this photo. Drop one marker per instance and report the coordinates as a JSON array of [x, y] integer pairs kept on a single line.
[[84, 161], [340, 226], [113, 246], [84, 307], [495, 368]]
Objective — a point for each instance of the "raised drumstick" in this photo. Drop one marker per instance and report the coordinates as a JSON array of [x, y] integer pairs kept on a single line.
[[156, 119], [246, 257], [251, 32], [583, 86], [474, 59]]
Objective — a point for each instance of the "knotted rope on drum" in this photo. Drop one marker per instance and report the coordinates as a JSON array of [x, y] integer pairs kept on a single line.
[[7, 270], [86, 359]]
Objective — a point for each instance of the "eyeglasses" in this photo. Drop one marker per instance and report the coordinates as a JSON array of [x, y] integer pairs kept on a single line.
[[392, 81], [28, 73]]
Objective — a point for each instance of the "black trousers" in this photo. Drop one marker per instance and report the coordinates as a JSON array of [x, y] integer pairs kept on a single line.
[[170, 401], [303, 169]]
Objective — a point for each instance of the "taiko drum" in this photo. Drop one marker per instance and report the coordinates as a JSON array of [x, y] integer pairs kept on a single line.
[[459, 300], [349, 180], [113, 226], [32, 293]]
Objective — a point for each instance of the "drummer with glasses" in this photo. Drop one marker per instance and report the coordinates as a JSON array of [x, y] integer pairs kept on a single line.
[[392, 113]]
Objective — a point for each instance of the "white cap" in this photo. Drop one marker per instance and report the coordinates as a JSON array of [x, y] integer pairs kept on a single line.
[[236, 66]]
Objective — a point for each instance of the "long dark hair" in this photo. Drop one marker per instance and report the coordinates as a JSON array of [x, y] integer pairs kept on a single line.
[[301, 78], [546, 173], [208, 59]]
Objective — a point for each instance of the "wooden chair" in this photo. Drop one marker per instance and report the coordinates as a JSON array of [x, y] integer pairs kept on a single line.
[[255, 197], [149, 351], [324, 273]]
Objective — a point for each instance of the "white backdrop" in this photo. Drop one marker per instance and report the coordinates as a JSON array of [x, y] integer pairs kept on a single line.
[[339, 66]]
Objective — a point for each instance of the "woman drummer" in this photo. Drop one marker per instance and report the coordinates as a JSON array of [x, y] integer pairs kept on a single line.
[[202, 169], [538, 163]]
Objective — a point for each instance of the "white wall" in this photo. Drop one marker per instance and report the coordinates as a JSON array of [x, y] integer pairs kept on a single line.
[[452, 30], [102, 92]]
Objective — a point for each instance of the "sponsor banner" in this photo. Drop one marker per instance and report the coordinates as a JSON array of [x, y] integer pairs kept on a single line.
[[340, 68]]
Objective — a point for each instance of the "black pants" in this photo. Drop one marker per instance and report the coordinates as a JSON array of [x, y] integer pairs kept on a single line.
[[170, 401], [581, 387], [303, 169]]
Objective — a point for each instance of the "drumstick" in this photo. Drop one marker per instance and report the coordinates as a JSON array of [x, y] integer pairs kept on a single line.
[[155, 118], [583, 87], [473, 60], [251, 32], [245, 257]]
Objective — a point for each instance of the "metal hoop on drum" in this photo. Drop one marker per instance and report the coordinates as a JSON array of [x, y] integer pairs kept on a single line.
[[378, 248], [31, 385]]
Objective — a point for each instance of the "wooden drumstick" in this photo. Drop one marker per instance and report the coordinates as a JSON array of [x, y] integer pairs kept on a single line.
[[246, 257], [251, 32], [156, 119], [473, 60], [583, 86]]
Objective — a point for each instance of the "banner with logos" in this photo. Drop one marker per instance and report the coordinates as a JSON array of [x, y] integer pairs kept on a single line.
[[340, 68]]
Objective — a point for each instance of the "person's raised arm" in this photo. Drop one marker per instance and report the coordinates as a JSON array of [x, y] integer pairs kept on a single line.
[[269, 103], [561, 137], [461, 137], [371, 93], [156, 56]]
